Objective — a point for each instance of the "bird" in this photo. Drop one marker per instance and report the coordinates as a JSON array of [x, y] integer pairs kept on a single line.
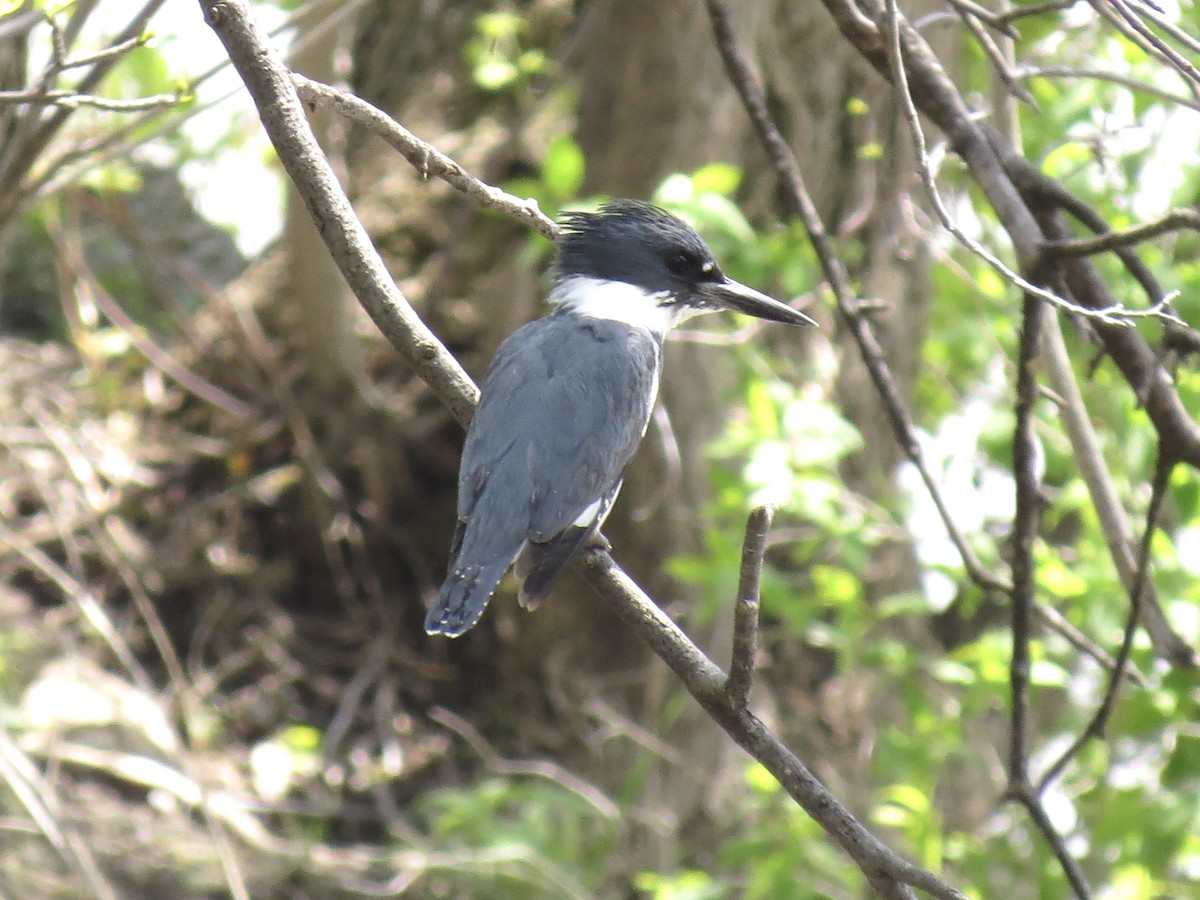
[[567, 398]]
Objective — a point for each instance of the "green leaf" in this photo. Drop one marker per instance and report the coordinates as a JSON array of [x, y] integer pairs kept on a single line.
[[687, 885], [564, 168], [760, 780], [717, 178], [499, 25], [1183, 767], [495, 73], [836, 587], [857, 107]]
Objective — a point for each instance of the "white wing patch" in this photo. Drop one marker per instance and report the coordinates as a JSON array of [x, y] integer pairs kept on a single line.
[[586, 517]]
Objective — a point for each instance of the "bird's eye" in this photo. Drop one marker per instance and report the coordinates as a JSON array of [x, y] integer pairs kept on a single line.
[[682, 263]]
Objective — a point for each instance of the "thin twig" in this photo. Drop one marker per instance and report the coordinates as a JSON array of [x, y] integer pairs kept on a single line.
[[1033, 9], [968, 9], [14, 168], [994, 54], [424, 157], [1114, 522], [750, 90], [1175, 220], [118, 49], [1041, 820], [1117, 314], [73, 100], [39, 800], [537, 768], [745, 611], [282, 113], [1139, 364], [1140, 33], [1095, 728], [1056, 622], [1155, 14], [887, 871], [72, 256], [1027, 72], [1026, 521]]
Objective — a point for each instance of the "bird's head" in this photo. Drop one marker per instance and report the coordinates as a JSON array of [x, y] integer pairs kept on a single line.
[[636, 263]]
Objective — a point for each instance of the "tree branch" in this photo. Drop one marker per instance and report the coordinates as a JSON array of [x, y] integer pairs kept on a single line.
[[1095, 728], [33, 140], [745, 612], [782, 160], [1024, 532], [269, 83], [424, 157], [1026, 522], [1175, 220]]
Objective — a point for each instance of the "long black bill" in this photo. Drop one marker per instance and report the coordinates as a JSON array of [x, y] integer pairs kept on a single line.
[[730, 294]]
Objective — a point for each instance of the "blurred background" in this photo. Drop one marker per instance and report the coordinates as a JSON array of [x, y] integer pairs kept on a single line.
[[225, 501]]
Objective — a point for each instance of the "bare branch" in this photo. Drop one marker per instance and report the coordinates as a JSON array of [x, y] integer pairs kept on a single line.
[[1133, 84], [1129, 23], [72, 100], [1095, 728], [745, 612], [31, 790], [1058, 846], [1034, 9], [1114, 522], [885, 869], [31, 142], [118, 49], [1175, 220], [786, 169], [1114, 314], [1007, 180], [995, 55], [968, 9], [1055, 621], [1026, 521], [1024, 532], [425, 158], [270, 85], [1154, 13]]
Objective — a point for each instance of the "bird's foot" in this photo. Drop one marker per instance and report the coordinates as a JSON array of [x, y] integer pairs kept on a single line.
[[598, 543]]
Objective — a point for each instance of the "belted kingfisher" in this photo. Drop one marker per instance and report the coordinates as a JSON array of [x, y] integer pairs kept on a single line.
[[568, 397]]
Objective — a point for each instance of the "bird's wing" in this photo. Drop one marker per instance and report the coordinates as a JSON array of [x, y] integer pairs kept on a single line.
[[564, 408]]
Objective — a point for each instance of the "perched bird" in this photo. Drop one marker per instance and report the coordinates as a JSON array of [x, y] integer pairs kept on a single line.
[[568, 397]]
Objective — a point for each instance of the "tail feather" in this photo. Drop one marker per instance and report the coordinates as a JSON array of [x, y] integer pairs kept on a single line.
[[463, 597], [539, 565]]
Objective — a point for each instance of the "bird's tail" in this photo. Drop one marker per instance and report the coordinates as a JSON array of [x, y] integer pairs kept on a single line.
[[462, 599]]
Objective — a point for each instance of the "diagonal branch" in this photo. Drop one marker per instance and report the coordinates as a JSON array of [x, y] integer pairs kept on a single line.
[[269, 84], [782, 160], [424, 157], [1095, 727]]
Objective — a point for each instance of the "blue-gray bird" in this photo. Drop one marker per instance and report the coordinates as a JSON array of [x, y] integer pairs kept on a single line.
[[568, 397]]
